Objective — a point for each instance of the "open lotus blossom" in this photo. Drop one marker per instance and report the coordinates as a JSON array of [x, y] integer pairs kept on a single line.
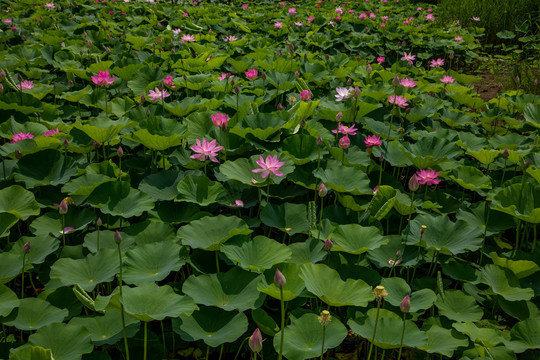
[[238, 203], [447, 79], [103, 78], [430, 17], [207, 149], [157, 94], [21, 136], [49, 6], [188, 38], [51, 132], [269, 167], [298, 23], [278, 25], [26, 85], [408, 57], [476, 18], [176, 32], [230, 38], [223, 76], [343, 93], [251, 74], [408, 83], [305, 95], [458, 38], [372, 140], [428, 177], [220, 120], [436, 63], [398, 100], [339, 10], [8, 22], [292, 11], [345, 130], [380, 59], [168, 81]]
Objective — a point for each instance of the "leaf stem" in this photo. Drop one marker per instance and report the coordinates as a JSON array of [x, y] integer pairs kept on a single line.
[[280, 356], [402, 336], [374, 330]]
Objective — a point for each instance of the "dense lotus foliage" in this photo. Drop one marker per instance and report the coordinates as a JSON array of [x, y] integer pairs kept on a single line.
[[280, 180]]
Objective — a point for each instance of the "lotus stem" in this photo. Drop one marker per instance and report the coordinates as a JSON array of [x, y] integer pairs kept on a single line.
[[217, 261], [122, 308], [374, 330], [402, 336], [322, 346], [240, 348], [268, 194], [412, 206], [22, 278], [221, 351], [63, 230], [280, 356], [97, 246], [146, 340], [207, 352], [486, 216], [163, 339]]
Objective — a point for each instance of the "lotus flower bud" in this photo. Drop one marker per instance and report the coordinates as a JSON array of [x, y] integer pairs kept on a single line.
[[296, 74], [89, 42], [339, 116], [1, 88], [506, 153], [279, 279], [237, 89], [99, 222], [303, 122], [255, 341], [263, 75], [396, 81], [527, 163], [279, 107], [517, 79], [413, 183], [356, 93], [26, 248], [63, 207], [536, 81], [319, 141], [17, 152], [322, 190], [65, 143], [209, 31], [451, 55], [368, 68], [2, 74], [327, 56], [291, 48], [328, 244], [405, 304], [117, 237], [344, 142], [349, 81], [120, 151], [80, 52], [96, 144]]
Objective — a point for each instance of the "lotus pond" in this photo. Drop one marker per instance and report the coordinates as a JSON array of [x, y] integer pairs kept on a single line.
[[301, 180]]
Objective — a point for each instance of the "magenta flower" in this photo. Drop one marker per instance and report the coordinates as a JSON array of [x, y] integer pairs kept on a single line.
[[339, 10], [251, 74], [344, 142], [436, 63], [269, 167], [230, 38], [305, 95], [408, 83], [380, 59], [51, 132], [447, 79], [26, 85], [103, 78], [362, 16], [21, 136], [373, 140], [278, 25], [220, 120], [428, 177], [168, 81], [188, 38], [345, 130], [223, 76], [245, 6], [343, 93], [408, 57], [292, 11], [157, 94], [8, 22], [205, 150], [430, 17], [398, 100], [458, 39]]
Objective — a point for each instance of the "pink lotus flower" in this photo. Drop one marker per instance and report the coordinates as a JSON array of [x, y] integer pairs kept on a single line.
[[245, 6], [436, 63], [398, 100], [223, 76], [230, 38], [256, 341], [188, 38], [362, 16], [476, 18], [345, 130], [292, 11], [103, 78], [343, 93], [176, 32], [205, 150], [428, 177], [220, 120], [408, 83], [49, 6], [67, 230], [373, 140], [310, 19], [305, 95], [383, 25], [339, 10], [26, 85], [372, 16], [21, 136], [408, 57], [269, 167], [298, 23], [344, 142], [168, 81], [238, 203], [51, 132], [380, 59], [278, 25], [447, 79], [8, 22], [430, 17], [458, 39], [157, 94], [251, 74]]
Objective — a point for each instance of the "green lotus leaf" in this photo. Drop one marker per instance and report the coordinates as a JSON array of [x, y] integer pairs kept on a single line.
[[119, 199], [40, 248], [241, 170], [75, 96], [85, 184], [257, 254], [458, 306], [304, 337], [190, 104], [27, 352], [487, 336], [87, 272], [235, 289], [107, 329], [486, 157], [327, 285], [261, 125], [155, 142], [443, 341], [290, 218], [534, 172], [397, 288], [389, 327], [46, 167], [11, 266], [106, 240], [8, 300], [532, 115], [212, 325], [67, 342], [51, 222], [200, 190], [471, 178], [519, 200], [301, 110], [525, 335], [345, 179], [302, 149], [152, 262], [476, 215], [306, 252], [504, 283], [152, 302], [162, 185], [293, 288], [356, 239], [35, 313], [17, 201], [146, 232], [144, 79], [383, 202], [382, 254], [520, 268], [103, 130], [430, 150], [444, 235], [210, 232]]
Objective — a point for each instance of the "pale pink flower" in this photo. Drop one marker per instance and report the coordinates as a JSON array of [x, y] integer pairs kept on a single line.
[[476, 18], [230, 38], [458, 39], [362, 16], [408, 83], [67, 230], [428, 177], [339, 10], [447, 79], [436, 63], [8, 22], [51, 132], [372, 140], [384, 18], [292, 11], [223, 76], [305, 95], [21, 136], [282, 3], [343, 93], [380, 59], [26, 85], [238, 203], [345, 130], [205, 150], [220, 120], [49, 6], [372, 16], [251, 74], [430, 17], [398, 100], [408, 57], [168, 81], [176, 32], [269, 167], [103, 78], [158, 94], [278, 25], [188, 38]]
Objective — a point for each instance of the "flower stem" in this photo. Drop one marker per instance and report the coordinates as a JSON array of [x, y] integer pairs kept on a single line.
[[374, 330], [320, 219], [122, 306], [322, 346], [282, 324], [240, 348], [145, 339], [22, 278], [217, 261], [163, 339], [402, 336]]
